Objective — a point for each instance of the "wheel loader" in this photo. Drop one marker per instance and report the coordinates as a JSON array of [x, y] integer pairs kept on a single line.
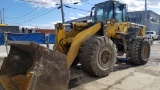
[[94, 45]]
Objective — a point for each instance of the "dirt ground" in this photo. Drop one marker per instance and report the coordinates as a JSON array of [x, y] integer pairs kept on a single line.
[[124, 76]]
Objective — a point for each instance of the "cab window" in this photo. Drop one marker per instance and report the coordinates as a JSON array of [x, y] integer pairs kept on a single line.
[[120, 12]]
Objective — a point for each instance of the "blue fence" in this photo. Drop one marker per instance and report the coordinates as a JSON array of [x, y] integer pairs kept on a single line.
[[1, 39], [39, 38], [52, 38]]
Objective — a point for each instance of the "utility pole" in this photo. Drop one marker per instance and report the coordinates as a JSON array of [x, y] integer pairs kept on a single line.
[[62, 11], [0, 17], [3, 17], [146, 19]]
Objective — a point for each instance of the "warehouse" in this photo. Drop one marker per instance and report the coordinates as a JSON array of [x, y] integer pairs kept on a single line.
[[153, 19], [11, 29]]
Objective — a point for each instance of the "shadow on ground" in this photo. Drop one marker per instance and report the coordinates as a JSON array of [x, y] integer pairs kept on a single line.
[[79, 77], [122, 64]]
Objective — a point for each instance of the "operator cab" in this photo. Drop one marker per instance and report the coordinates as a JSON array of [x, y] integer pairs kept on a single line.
[[110, 10]]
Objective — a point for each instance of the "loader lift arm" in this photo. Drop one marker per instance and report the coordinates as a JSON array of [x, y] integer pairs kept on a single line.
[[75, 42]]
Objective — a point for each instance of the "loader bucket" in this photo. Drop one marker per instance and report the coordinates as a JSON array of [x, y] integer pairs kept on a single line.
[[30, 66]]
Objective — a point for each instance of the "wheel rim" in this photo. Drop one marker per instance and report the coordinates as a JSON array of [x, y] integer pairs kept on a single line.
[[104, 58], [145, 52]]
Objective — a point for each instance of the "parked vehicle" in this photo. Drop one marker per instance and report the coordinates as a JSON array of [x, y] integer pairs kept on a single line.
[[152, 34]]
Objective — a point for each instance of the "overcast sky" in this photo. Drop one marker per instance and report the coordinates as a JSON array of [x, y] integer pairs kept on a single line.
[[45, 13]]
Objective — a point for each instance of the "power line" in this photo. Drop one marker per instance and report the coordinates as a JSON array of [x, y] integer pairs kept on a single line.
[[34, 17], [28, 16], [87, 2], [76, 8], [46, 12], [30, 11]]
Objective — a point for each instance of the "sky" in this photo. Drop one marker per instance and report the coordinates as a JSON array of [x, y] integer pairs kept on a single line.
[[45, 13]]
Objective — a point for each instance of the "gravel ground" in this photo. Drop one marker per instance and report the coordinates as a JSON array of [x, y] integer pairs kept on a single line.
[[124, 76]]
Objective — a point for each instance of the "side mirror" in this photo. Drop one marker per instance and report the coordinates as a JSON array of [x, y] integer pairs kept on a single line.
[[91, 14], [128, 18]]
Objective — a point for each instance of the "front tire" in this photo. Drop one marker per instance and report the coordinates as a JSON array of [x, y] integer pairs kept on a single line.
[[98, 56]]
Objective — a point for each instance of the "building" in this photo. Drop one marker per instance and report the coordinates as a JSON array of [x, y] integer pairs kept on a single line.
[[46, 31], [37, 30], [11, 29], [152, 22]]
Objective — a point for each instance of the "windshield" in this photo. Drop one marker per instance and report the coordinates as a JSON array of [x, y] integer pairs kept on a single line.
[[120, 12], [149, 32], [103, 11]]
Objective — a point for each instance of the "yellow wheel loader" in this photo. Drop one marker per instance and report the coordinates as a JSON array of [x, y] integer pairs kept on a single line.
[[94, 45]]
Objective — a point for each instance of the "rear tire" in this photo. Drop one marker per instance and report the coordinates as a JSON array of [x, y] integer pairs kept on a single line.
[[98, 56], [140, 52]]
